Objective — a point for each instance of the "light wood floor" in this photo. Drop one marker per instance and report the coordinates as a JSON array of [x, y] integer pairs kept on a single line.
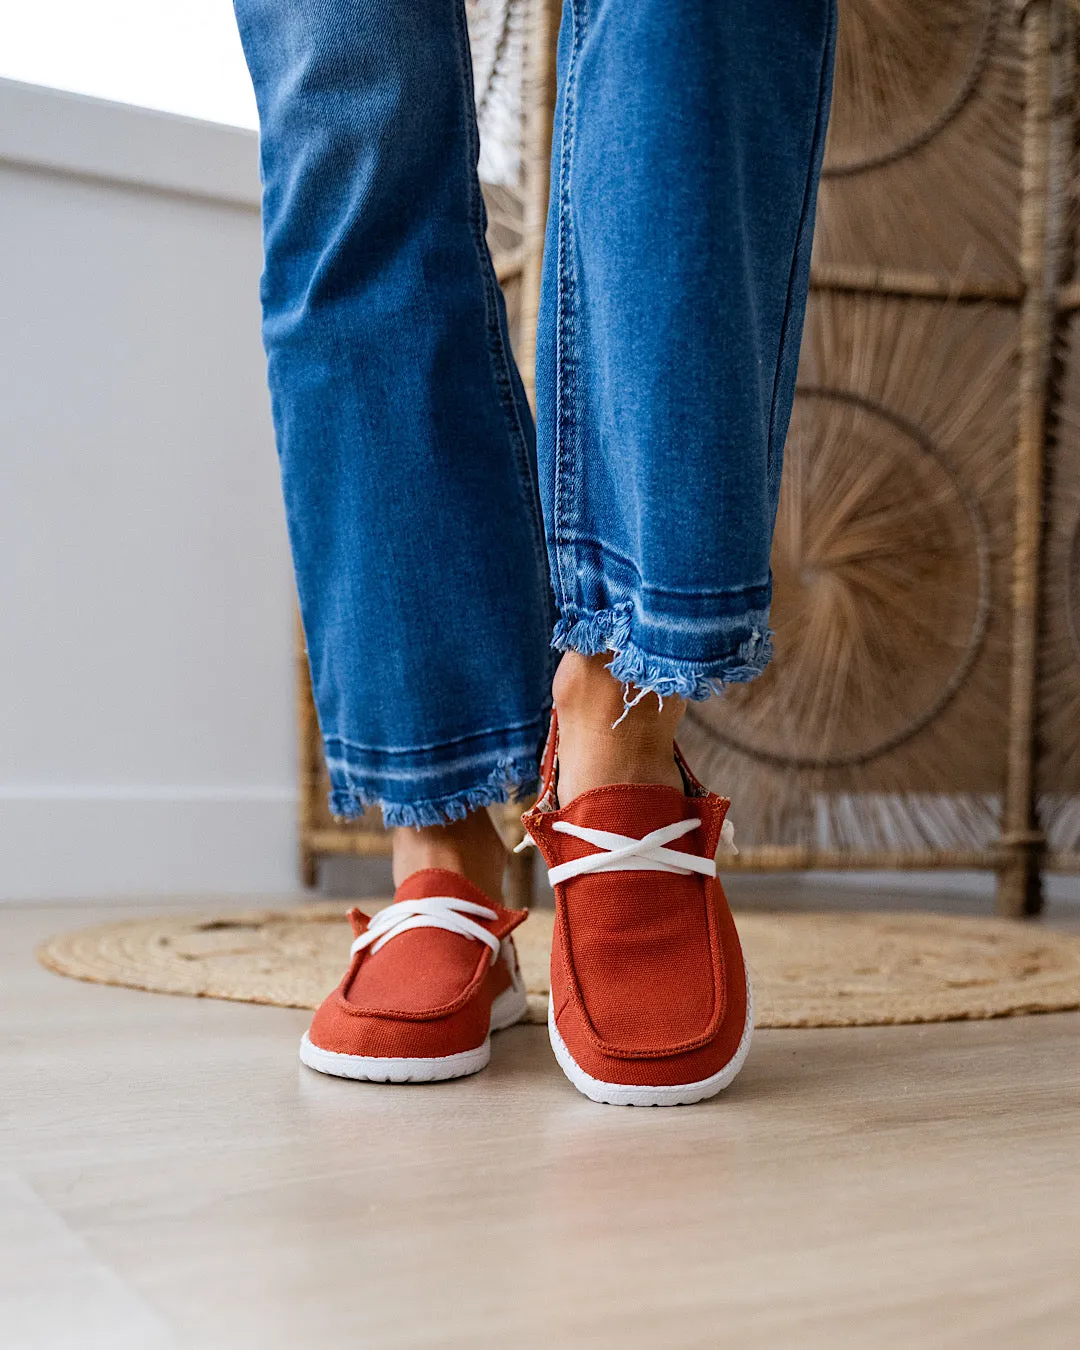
[[171, 1176]]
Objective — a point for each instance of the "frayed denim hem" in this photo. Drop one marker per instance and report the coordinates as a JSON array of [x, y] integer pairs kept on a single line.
[[510, 780], [609, 630]]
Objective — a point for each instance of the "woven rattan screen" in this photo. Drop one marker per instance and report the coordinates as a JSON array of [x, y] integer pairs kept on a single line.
[[927, 671]]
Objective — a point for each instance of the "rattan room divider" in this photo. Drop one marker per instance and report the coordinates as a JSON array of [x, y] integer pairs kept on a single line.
[[923, 707]]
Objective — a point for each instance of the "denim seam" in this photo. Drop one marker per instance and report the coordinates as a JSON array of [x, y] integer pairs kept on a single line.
[[565, 365], [696, 591], [502, 731], [808, 206], [354, 770], [500, 362], [414, 781]]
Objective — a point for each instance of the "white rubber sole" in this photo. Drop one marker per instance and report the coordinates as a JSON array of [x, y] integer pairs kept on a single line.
[[678, 1094], [508, 1008]]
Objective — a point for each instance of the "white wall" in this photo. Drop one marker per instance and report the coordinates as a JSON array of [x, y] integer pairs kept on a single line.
[[145, 592]]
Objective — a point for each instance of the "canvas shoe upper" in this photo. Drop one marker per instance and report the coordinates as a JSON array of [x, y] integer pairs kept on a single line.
[[650, 1000], [431, 976]]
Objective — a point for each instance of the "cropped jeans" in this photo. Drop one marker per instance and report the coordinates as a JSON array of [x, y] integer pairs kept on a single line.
[[444, 549]]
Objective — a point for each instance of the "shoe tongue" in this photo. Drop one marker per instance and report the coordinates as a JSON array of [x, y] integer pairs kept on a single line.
[[423, 969], [629, 808], [431, 881], [636, 809], [639, 943]]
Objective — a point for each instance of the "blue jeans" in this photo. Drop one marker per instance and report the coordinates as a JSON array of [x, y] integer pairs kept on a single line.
[[687, 149]]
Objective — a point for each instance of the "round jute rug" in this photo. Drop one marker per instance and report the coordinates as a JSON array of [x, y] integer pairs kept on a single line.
[[809, 970]]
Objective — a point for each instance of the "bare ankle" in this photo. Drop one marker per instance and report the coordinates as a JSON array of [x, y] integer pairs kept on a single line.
[[593, 751], [471, 846]]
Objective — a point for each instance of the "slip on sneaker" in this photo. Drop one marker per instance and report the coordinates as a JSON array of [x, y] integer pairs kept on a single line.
[[650, 998], [432, 976]]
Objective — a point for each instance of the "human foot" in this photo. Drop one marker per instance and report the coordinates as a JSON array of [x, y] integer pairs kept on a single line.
[[650, 999], [604, 740], [431, 976]]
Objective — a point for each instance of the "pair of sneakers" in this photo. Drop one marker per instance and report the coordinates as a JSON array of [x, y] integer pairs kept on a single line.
[[650, 1000]]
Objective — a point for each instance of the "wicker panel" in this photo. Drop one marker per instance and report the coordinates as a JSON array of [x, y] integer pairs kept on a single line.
[[1059, 683], [916, 596], [881, 722], [922, 169]]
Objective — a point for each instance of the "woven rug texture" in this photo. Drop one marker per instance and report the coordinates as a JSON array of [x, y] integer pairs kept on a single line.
[[809, 970]]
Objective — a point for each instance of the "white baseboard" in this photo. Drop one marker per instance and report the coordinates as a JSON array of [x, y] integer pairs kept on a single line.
[[75, 844]]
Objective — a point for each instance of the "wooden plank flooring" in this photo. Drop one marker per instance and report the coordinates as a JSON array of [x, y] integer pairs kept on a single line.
[[171, 1176]]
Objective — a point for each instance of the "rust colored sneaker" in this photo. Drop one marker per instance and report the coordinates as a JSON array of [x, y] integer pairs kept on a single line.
[[432, 976], [650, 999]]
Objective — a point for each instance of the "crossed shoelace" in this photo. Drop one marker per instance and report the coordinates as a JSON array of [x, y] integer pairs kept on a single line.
[[624, 853], [433, 911], [617, 853]]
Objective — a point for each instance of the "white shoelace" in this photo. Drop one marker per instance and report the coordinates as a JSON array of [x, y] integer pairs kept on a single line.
[[624, 853], [434, 911]]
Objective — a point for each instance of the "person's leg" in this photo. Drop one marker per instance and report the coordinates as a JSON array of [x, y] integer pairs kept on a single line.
[[688, 147], [407, 459], [406, 443], [687, 152]]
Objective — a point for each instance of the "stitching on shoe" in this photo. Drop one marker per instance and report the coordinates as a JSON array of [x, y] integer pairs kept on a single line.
[[698, 1042]]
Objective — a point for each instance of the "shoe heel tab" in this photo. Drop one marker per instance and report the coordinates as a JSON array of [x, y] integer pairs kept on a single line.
[[694, 786], [548, 764], [359, 921], [509, 920]]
